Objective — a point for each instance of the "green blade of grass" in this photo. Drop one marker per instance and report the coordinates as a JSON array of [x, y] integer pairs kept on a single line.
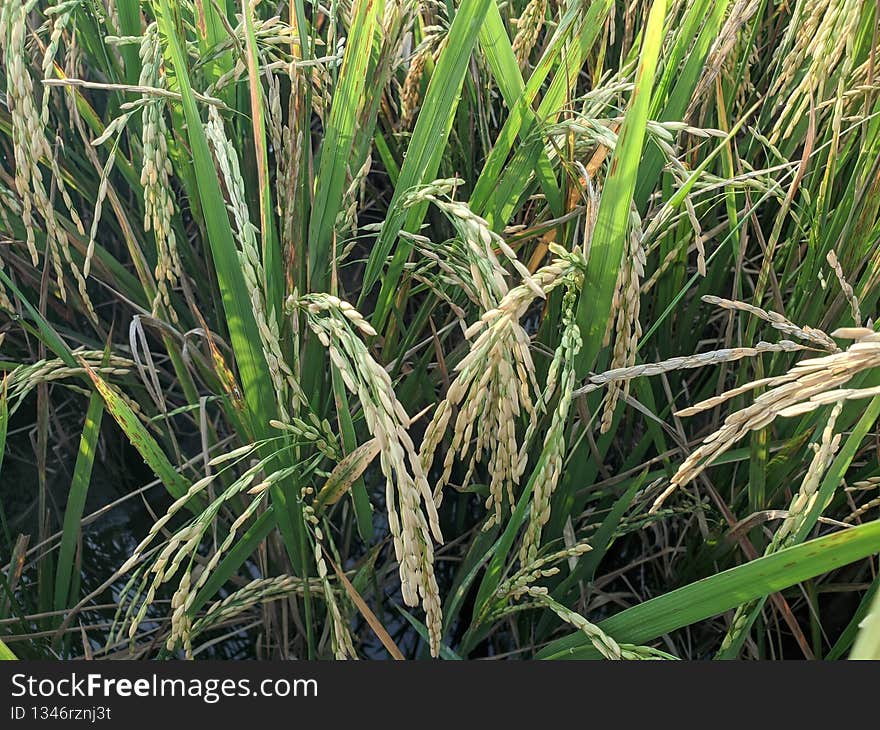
[[274, 283], [521, 121], [6, 653], [499, 53], [76, 500], [422, 630], [236, 298], [505, 193], [129, 12], [726, 590], [706, 20], [849, 634], [867, 645], [609, 234], [602, 540]]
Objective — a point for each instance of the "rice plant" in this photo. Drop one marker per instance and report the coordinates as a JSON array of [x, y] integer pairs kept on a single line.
[[527, 329]]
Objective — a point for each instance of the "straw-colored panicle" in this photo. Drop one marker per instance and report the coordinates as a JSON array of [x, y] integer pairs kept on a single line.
[[494, 385], [809, 385], [24, 378], [687, 362], [412, 515], [549, 467], [804, 500], [724, 47], [9, 206], [482, 243], [863, 485], [287, 386], [411, 91], [799, 510], [259, 590], [289, 150], [846, 288], [314, 430], [61, 16], [530, 571], [5, 302], [528, 28], [812, 335], [156, 174], [176, 555], [31, 147], [462, 261], [601, 641], [343, 646], [521, 586], [625, 314], [815, 49], [185, 596], [347, 218]]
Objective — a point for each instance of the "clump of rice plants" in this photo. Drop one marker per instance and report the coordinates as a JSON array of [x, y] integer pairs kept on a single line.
[[540, 328]]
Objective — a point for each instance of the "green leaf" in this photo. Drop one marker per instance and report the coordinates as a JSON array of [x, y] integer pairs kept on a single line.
[[848, 635], [422, 630], [76, 500], [252, 366], [274, 284], [499, 53], [610, 231], [503, 183], [236, 298], [867, 644], [719, 593], [6, 653]]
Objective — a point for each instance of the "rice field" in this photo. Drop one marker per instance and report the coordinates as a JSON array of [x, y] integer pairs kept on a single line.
[[485, 329]]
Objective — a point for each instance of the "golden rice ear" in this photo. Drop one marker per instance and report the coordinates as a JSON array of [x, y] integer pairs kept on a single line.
[[853, 333], [809, 385], [528, 28], [846, 288], [778, 321], [412, 513], [34, 155], [625, 319]]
